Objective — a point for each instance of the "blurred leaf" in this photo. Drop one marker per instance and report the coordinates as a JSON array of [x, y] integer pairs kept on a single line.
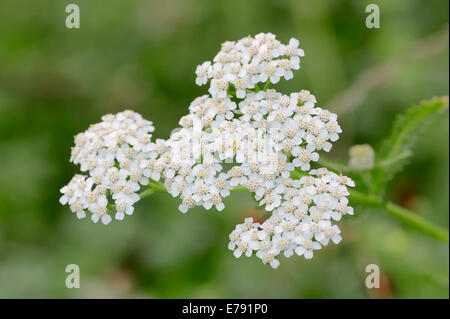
[[397, 149]]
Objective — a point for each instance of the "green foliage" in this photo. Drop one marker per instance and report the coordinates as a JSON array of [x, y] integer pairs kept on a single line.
[[397, 149]]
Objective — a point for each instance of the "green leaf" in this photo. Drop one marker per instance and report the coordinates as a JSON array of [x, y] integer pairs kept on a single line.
[[396, 150]]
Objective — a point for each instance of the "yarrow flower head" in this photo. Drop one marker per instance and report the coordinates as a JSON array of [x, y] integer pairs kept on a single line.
[[111, 153], [301, 224], [242, 64], [242, 135]]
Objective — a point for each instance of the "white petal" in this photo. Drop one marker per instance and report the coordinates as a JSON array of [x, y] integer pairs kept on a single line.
[[81, 214], [299, 250], [308, 254], [63, 200], [106, 219], [275, 263], [183, 208], [119, 216]]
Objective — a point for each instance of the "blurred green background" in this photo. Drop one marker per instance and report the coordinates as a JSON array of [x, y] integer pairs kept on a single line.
[[142, 55]]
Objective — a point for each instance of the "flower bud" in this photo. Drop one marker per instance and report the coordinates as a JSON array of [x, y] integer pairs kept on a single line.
[[362, 157]]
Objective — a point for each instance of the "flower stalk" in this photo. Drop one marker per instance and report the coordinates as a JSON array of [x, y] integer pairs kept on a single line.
[[400, 213]]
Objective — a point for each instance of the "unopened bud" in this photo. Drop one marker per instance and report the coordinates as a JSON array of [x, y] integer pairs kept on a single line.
[[362, 157]]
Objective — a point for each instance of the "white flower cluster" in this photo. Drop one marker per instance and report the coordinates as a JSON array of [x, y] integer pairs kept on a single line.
[[241, 135], [249, 61], [111, 152], [302, 224], [253, 143]]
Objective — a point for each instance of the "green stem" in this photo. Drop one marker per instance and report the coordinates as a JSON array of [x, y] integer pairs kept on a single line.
[[146, 193], [368, 180], [364, 199], [239, 189], [142, 195], [393, 160], [156, 186], [404, 215]]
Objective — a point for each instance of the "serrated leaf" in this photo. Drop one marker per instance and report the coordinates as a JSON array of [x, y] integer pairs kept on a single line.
[[397, 149]]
